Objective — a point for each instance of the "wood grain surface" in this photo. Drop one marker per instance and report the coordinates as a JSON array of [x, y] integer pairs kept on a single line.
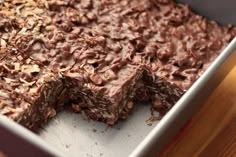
[[212, 132], [2, 154]]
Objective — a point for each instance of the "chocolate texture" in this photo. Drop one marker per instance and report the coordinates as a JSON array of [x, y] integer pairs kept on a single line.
[[100, 57]]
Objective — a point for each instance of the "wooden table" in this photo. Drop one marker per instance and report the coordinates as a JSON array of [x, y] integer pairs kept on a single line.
[[212, 132]]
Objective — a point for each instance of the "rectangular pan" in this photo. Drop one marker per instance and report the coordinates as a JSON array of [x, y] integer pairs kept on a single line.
[[70, 134]]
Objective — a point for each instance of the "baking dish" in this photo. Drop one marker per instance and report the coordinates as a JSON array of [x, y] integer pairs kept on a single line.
[[70, 134]]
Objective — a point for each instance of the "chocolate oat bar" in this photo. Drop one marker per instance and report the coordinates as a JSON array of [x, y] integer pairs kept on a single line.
[[100, 57]]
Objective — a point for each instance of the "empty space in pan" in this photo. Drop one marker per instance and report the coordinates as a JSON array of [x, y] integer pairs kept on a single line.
[[76, 136]]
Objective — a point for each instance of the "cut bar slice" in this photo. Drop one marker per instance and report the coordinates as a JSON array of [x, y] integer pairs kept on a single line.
[[29, 92], [106, 100]]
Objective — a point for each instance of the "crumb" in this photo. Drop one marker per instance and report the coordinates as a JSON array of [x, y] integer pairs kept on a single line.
[[152, 119], [101, 154], [67, 146], [96, 143], [94, 130], [102, 131], [149, 124], [129, 135]]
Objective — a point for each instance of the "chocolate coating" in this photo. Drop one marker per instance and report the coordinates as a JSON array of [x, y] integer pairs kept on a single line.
[[100, 57]]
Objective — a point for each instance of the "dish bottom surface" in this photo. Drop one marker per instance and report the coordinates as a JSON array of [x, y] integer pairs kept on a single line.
[[74, 135]]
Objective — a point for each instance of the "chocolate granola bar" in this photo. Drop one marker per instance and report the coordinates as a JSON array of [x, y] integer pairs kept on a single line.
[[100, 57]]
